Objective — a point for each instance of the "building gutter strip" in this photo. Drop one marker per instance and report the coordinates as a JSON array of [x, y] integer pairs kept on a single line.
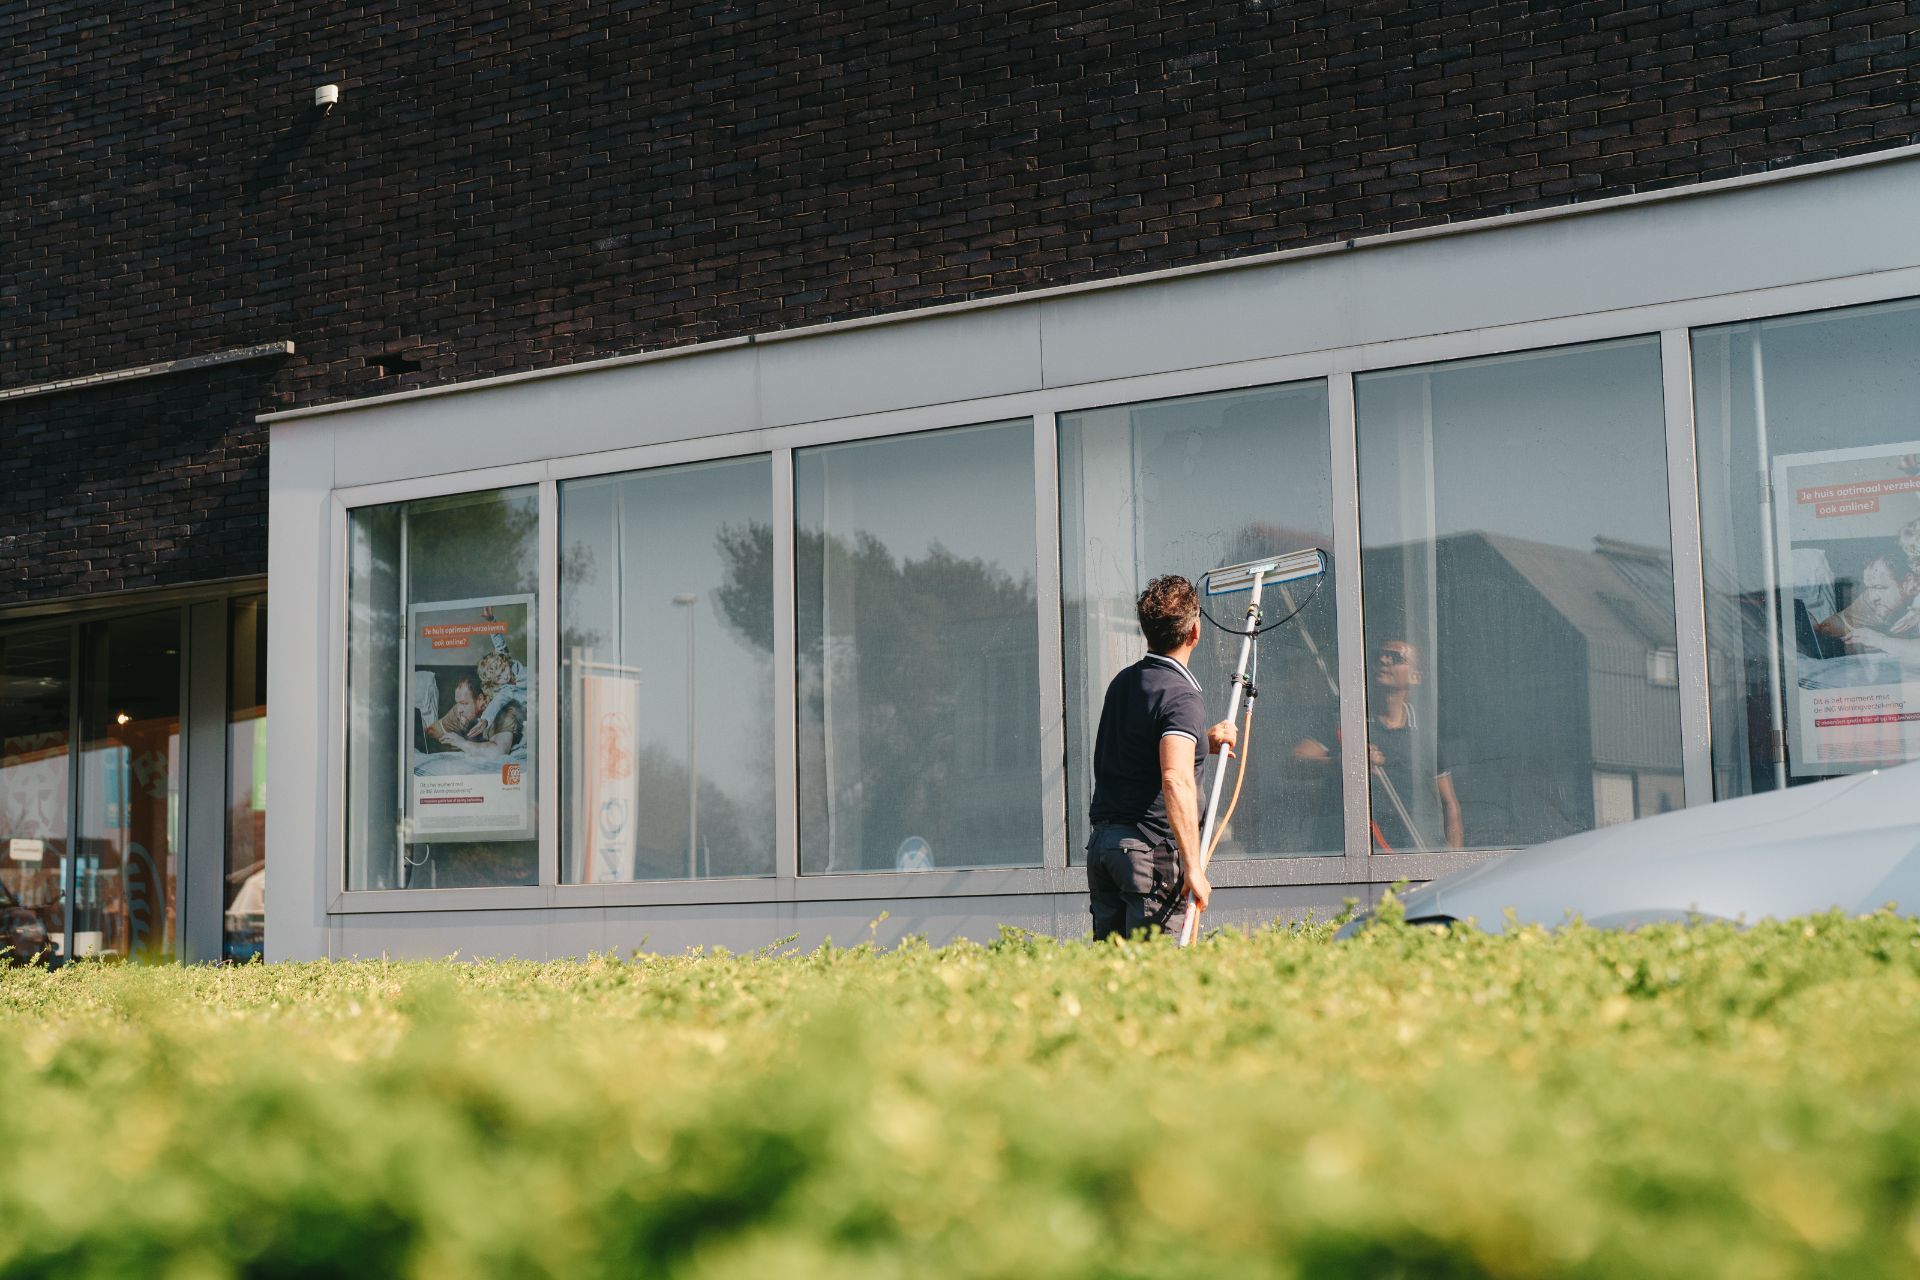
[[232, 355]]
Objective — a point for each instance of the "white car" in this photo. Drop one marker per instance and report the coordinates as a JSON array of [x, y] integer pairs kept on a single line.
[[1851, 843]]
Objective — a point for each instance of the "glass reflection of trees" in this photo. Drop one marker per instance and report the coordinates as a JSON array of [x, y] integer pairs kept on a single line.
[[468, 546], [943, 652], [640, 551]]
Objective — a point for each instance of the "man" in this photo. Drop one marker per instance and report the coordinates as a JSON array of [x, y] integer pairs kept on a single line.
[[1144, 854], [1392, 731], [1395, 787]]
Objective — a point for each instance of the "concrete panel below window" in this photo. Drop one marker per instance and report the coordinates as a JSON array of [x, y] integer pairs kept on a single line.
[[577, 932]]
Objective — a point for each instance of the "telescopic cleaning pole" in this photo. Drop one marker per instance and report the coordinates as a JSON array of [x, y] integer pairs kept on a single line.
[[1220, 770], [1253, 576]]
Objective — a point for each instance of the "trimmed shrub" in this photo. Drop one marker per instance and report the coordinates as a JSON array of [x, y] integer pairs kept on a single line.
[[1671, 1102]]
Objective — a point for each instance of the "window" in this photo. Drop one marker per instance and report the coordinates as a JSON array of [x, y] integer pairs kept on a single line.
[[1183, 486], [35, 683], [917, 638], [443, 696], [129, 828], [1663, 668], [1809, 454], [1515, 570], [245, 888], [666, 607]]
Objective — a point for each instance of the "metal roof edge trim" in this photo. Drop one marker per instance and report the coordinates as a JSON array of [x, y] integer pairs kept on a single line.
[[153, 369]]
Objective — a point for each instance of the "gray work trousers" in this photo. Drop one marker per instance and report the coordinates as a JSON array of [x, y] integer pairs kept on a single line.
[[1132, 884]]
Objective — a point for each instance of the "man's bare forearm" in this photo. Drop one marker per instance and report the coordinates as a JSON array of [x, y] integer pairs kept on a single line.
[[1181, 791], [1183, 815], [1450, 811]]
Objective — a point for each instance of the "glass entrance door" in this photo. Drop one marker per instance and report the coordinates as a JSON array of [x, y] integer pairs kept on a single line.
[[35, 724], [244, 896], [129, 811]]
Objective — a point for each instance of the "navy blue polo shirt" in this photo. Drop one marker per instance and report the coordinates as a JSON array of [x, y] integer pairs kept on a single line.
[[1154, 698]]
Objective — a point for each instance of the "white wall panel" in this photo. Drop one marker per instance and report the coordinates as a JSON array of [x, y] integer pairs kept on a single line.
[[935, 361], [299, 516], [1203, 320], [672, 930], [526, 421], [1816, 228], [471, 935], [668, 931]]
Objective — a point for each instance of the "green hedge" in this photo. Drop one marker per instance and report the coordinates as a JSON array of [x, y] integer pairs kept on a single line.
[[1675, 1102]]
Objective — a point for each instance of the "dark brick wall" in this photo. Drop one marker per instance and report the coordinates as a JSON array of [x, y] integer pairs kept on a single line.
[[509, 186], [158, 482]]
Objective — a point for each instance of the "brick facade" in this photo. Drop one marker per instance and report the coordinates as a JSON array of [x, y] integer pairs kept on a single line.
[[507, 187], [155, 482]]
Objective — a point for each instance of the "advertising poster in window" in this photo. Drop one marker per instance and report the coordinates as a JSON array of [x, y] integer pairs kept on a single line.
[[1849, 548], [610, 715], [473, 720]]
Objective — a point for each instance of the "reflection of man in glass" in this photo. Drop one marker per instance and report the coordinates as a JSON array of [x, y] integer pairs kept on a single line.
[[1391, 741]]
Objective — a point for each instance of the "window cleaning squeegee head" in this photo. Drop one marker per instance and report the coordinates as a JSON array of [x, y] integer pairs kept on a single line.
[[1272, 571]]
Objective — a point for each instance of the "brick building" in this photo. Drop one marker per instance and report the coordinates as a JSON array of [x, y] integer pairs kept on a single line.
[[792, 273]]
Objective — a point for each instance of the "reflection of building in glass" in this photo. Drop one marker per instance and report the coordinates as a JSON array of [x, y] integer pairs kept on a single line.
[[928, 729], [918, 651], [244, 922], [33, 791], [1551, 707]]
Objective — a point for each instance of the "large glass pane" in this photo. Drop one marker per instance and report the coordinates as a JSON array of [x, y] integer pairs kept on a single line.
[[245, 886], [1809, 450], [666, 623], [35, 683], [1518, 587], [129, 836], [1183, 486], [442, 758], [918, 645]]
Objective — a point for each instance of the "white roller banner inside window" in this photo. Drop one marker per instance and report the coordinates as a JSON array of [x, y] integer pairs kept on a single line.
[[609, 703]]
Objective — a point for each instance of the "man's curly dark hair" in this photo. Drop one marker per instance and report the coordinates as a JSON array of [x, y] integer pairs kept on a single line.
[[1167, 608]]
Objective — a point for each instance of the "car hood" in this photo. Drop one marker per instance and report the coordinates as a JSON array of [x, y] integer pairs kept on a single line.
[[1852, 843]]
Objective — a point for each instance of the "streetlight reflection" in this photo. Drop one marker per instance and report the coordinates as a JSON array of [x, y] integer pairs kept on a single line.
[[686, 600]]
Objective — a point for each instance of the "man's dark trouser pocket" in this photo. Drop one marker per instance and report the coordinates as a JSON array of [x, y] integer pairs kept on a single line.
[[1132, 885]]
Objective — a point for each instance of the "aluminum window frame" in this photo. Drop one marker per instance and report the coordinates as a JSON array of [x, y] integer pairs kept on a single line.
[[1343, 504], [1390, 868], [1671, 323], [574, 893], [342, 504], [1046, 582], [1778, 679]]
